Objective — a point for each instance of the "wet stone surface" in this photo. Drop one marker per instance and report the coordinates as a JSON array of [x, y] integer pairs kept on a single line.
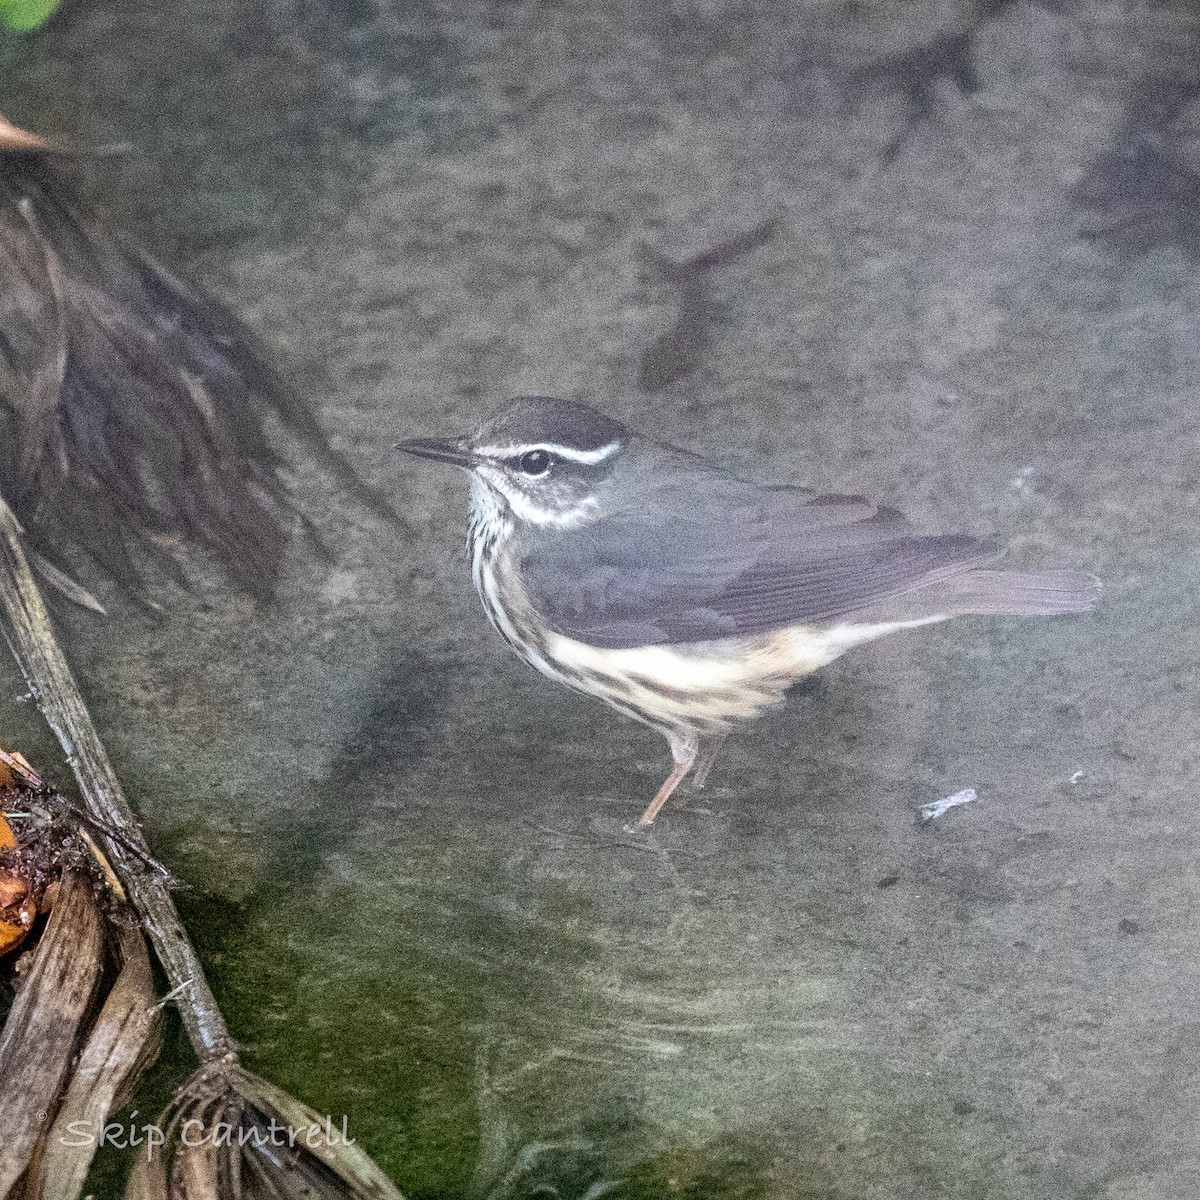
[[404, 847]]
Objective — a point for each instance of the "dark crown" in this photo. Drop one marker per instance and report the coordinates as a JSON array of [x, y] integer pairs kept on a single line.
[[529, 420]]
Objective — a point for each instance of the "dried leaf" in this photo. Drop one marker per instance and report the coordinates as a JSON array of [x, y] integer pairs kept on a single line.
[[354, 1175], [15, 771], [110, 876], [45, 1023], [62, 583], [133, 407], [14, 933], [12, 137], [123, 1041], [195, 1171], [148, 1179], [44, 385], [17, 911]]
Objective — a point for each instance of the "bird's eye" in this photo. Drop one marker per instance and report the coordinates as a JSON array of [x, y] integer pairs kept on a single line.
[[535, 462]]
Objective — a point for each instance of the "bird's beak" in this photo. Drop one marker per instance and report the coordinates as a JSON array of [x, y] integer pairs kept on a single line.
[[455, 451]]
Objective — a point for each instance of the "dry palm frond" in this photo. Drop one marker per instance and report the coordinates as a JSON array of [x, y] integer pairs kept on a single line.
[[232, 1134], [132, 405], [221, 1093], [132, 412], [124, 1040]]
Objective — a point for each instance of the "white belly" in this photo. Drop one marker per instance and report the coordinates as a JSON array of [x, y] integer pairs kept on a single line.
[[709, 685]]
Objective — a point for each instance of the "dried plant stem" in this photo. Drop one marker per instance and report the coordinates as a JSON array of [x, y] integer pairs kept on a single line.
[[31, 638]]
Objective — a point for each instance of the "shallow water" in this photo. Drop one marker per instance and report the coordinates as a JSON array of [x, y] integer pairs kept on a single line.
[[404, 847]]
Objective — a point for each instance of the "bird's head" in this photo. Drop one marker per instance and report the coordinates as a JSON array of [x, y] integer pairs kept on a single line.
[[544, 461]]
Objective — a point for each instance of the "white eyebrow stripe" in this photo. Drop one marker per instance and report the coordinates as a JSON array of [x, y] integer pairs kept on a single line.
[[587, 457]]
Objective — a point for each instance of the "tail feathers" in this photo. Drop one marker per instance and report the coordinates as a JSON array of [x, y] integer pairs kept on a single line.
[[1017, 593]]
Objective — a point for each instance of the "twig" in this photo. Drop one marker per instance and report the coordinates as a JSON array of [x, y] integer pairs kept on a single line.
[[31, 639]]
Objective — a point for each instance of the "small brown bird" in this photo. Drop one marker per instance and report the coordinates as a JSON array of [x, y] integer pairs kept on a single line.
[[685, 597]]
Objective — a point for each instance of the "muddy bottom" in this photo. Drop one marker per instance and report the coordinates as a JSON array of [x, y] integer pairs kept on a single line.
[[405, 848]]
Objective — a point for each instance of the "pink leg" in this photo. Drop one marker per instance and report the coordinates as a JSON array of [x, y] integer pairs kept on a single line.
[[683, 751], [706, 761]]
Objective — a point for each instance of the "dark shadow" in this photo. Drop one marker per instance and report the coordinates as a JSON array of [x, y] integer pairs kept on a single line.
[[1143, 192], [397, 723]]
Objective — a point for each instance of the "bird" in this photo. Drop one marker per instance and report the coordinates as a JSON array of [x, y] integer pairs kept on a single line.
[[686, 597]]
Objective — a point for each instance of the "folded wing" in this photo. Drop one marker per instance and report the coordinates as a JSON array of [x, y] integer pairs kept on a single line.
[[721, 558]]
